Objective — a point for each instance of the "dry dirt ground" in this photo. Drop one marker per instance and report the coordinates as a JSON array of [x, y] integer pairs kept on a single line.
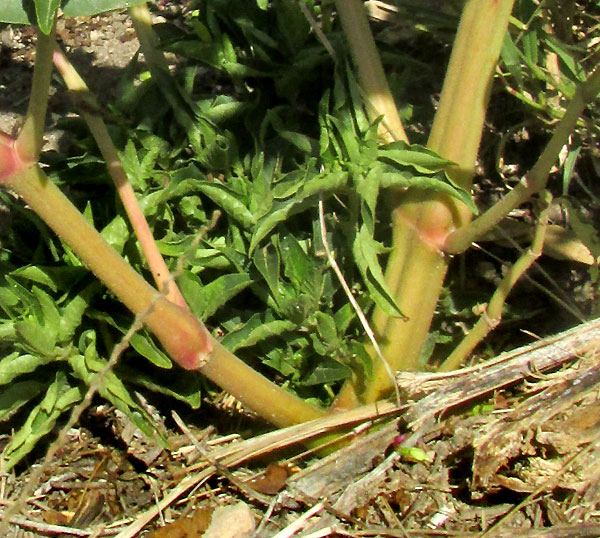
[[514, 452]]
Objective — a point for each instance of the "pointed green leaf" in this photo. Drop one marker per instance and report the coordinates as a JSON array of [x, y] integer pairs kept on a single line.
[[423, 160], [145, 346], [230, 203], [36, 336], [327, 371], [205, 300], [267, 262], [15, 395], [60, 397], [255, 330], [16, 364], [366, 250], [46, 11]]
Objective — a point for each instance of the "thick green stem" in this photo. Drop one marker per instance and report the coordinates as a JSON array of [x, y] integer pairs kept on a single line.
[[29, 143], [456, 131], [370, 71], [421, 221], [493, 313], [536, 179], [183, 336], [156, 263]]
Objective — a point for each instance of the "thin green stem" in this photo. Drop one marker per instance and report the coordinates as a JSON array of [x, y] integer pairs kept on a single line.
[[182, 335], [29, 143], [88, 107], [380, 101], [493, 313], [142, 22], [536, 179]]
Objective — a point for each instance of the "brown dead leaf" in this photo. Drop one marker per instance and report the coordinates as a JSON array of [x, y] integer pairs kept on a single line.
[[186, 527], [272, 481]]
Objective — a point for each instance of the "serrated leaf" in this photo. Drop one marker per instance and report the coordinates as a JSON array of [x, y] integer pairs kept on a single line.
[[282, 210], [327, 329], [50, 320], [368, 187], [297, 266], [267, 261]]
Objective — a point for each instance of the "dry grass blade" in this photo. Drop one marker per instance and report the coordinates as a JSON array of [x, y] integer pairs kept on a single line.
[[243, 451], [445, 391]]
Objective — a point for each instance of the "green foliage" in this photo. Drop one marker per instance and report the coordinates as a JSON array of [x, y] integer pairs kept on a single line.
[[545, 57], [278, 126], [283, 134], [42, 12]]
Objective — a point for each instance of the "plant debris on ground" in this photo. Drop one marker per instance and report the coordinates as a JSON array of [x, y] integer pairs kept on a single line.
[[523, 457]]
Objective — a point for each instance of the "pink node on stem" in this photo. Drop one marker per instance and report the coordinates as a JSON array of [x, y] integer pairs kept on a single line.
[[10, 163]]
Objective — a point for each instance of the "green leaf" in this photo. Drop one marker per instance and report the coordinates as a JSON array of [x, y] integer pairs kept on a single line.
[[569, 166], [255, 330], [60, 397], [17, 12], [45, 11], [511, 56], [327, 329], [423, 160], [50, 319], [23, 11], [368, 187], [229, 201], [36, 337], [80, 8], [72, 313], [205, 300], [116, 232], [15, 395], [297, 266], [327, 371], [145, 346], [575, 71], [182, 386], [366, 250], [15, 364], [430, 183], [267, 261], [86, 368]]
